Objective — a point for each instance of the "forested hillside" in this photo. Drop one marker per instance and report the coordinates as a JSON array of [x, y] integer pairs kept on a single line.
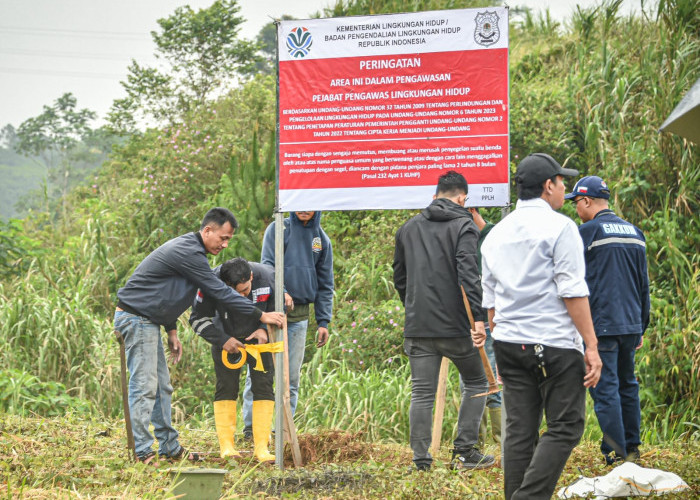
[[591, 92]]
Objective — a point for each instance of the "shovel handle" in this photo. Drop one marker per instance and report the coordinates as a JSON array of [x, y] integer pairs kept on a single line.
[[484, 359], [125, 397]]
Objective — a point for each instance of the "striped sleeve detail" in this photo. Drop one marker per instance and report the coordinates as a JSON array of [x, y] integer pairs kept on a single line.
[[201, 324], [624, 241]]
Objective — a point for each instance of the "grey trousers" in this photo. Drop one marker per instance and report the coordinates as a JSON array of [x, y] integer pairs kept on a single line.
[[425, 355]]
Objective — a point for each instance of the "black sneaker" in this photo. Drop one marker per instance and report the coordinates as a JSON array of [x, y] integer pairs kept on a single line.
[[471, 459], [248, 434], [419, 468], [633, 455], [613, 459]]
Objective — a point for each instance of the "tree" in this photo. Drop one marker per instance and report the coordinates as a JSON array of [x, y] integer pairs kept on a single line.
[[201, 53], [8, 137], [61, 138], [267, 43]]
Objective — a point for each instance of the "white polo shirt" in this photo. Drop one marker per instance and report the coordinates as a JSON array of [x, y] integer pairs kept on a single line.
[[530, 260]]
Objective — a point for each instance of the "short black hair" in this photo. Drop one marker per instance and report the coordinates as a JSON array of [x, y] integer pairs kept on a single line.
[[235, 271], [451, 184], [219, 216], [531, 192]]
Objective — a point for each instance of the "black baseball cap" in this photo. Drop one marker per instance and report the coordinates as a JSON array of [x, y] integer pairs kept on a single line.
[[538, 167]]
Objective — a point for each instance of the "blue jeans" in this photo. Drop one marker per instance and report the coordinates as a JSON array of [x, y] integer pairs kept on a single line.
[[425, 356], [150, 392], [616, 397], [296, 344]]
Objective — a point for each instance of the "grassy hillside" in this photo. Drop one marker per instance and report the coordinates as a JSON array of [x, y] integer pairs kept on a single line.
[[73, 457], [592, 93]]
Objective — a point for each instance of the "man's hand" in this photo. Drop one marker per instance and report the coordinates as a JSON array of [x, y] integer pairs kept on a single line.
[[641, 343], [232, 346], [272, 318], [322, 336], [479, 334], [288, 301], [260, 335], [593, 367], [175, 346]]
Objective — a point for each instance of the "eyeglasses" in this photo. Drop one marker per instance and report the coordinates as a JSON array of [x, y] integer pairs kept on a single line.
[[575, 202]]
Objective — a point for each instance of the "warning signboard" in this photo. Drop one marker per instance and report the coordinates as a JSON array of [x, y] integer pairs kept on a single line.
[[373, 109]]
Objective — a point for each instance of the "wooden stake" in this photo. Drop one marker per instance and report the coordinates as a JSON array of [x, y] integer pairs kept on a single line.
[[439, 406], [125, 399]]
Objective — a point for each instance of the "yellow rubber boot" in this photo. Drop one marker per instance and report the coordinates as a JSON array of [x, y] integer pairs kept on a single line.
[[225, 420], [262, 423]]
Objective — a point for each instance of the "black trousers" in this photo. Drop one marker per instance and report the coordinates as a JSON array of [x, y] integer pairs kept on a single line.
[[533, 463], [227, 380]]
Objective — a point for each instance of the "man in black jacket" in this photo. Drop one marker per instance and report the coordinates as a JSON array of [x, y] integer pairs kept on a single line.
[[436, 252], [162, 287]]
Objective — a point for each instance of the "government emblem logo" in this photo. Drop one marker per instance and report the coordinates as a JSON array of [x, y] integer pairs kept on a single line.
[[486, 32], [299, 42]]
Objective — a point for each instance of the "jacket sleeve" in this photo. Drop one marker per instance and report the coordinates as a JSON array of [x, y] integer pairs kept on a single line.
[[399, 267], [202, 320], [468, 268], [323, 302], [268, 246], [196, 269]]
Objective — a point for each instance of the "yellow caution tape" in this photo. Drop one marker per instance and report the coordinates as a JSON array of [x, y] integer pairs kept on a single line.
[[233, 366], [255, 351]]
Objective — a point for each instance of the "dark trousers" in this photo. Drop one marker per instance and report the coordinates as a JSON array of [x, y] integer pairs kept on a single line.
[[227, 380], [425, 355], [616, 397], [532, 463]]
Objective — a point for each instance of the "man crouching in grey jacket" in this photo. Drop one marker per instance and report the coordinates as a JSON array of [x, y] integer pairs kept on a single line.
[[162, 287]]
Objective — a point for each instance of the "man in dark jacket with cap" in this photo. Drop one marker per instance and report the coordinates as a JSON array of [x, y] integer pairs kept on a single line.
[[535, 291], [435, 253], [616, 273]]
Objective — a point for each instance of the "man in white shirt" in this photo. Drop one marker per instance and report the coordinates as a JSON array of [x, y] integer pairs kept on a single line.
[[535, 292]]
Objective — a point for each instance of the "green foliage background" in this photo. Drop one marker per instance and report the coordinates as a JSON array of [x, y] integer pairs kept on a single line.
[[592, 93]]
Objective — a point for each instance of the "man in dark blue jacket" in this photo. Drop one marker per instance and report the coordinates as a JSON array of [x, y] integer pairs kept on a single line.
[[308, 279], [616, 274], [162, 287]]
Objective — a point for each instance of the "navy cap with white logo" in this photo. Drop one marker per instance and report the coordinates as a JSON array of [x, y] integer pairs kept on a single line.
[[591, 186]]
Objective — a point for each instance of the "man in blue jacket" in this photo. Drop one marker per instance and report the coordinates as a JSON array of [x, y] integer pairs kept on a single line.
[[162, 287], [308, 279], [616, 273]]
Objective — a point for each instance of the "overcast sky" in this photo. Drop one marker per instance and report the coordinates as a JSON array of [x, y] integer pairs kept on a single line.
[[50, 47]]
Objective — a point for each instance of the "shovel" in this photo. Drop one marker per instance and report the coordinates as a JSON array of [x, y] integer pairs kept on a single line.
[[493, 386]]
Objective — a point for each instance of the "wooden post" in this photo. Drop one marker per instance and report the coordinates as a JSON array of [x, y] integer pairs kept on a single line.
[[439, 406]]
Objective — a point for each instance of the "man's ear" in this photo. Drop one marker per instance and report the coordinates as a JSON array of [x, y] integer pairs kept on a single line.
[[251, 275], [549, 186]]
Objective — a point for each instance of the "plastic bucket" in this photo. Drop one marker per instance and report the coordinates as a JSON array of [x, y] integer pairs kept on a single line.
[[195, 483]]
